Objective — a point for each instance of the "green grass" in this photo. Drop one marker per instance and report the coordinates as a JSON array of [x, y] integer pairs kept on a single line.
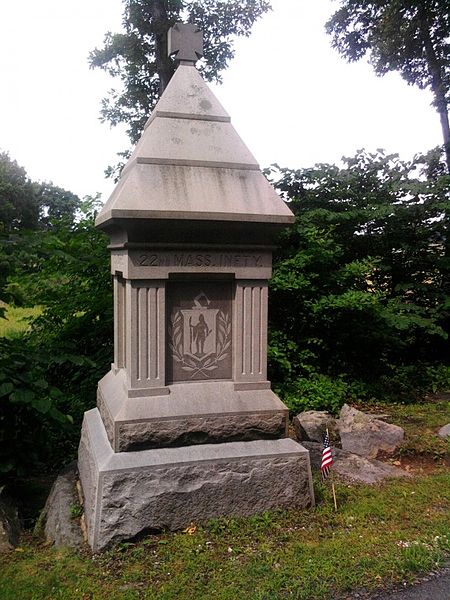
[[421, 421], [17, 321], [379, 536]]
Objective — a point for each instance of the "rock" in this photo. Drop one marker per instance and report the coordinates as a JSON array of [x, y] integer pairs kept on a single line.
[[444, 432], [380, 416], [9, 526], [366, 435], [311, 425], [352, 467], [62, 526]]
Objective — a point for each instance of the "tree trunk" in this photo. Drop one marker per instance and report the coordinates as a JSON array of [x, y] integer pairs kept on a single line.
[[443, 115], [160, 26], [437, 85]]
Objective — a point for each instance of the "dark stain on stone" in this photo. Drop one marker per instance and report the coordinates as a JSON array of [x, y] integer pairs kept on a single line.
[[205, 104]]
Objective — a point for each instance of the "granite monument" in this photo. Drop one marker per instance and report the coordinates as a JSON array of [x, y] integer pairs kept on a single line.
[[186, 426]]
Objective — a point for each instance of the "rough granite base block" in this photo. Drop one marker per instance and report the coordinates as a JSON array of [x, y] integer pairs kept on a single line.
[[128, 492], [192, 413]]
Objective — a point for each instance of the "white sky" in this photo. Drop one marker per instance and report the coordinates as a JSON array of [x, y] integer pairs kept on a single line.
[[291, 97]]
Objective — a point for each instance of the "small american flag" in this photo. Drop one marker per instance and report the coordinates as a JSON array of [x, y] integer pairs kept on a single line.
[[327, 459]]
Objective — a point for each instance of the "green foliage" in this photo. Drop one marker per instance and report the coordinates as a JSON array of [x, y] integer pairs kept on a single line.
[[27, 207], [359, 302], [317, 392], [392, 31], [421, 421], [56, 204], [138, 56], [16, 321], [406, 36], [52, 370], [360, 291], [29, 407], [76, 510], [282, 355], [439, 376], [73, 284], [19, 208]]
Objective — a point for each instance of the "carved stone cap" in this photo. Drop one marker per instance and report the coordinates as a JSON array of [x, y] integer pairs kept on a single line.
[[190, 164]]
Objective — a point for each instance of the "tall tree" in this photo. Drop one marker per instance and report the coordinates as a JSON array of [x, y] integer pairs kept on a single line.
[[408, 36], [56, 204], [25, 207], [19, 207], [138, 56], [29, 205]]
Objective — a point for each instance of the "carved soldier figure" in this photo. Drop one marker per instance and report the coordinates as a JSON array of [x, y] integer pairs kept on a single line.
[[199, 333]]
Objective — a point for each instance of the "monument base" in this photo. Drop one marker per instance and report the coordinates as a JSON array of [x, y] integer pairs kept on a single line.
[[126, 493], [189, 413]]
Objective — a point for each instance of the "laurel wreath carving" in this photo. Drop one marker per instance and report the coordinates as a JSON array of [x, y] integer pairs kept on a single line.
[[200, 366]]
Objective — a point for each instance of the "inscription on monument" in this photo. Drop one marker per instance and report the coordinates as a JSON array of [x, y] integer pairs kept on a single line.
[[184, 259], [199, 331]]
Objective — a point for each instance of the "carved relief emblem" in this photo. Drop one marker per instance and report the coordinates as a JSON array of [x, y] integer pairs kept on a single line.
[[200, 337]]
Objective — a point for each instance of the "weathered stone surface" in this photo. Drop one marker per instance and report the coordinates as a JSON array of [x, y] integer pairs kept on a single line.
[[185, 42], [444, 432], [353, 467], [60, 527], [199, 308], [190, 163], [199, 101], [185, 432], [126, 493], [9, 525], [192, 413], [311, 425], [105, 411], [365, 435]]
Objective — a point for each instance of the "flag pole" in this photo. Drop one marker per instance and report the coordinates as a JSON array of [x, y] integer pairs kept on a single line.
[[334, 493], [332, 483]]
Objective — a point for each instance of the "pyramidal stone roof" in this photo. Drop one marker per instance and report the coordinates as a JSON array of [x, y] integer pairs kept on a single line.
[[190, 164]]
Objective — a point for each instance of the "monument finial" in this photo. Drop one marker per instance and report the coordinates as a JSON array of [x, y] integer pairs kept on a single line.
[[185, 40]]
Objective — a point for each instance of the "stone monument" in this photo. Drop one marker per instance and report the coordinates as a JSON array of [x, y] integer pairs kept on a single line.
[[186, 426]]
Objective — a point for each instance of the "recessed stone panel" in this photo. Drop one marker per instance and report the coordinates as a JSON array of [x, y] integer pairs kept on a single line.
[[199, 331]]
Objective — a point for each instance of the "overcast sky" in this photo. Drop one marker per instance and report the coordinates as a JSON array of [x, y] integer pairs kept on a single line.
[[291, 97]]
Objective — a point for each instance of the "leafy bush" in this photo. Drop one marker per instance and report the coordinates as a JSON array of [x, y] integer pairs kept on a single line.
[[48, 376], [317, 392], [360, 285], [31, 412], [438, 377]]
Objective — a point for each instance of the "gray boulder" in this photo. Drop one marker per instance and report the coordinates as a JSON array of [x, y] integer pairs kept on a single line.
[[60, 514], [366, 435], [352, 467], [9, 526], [311, 425], [444, 432]]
